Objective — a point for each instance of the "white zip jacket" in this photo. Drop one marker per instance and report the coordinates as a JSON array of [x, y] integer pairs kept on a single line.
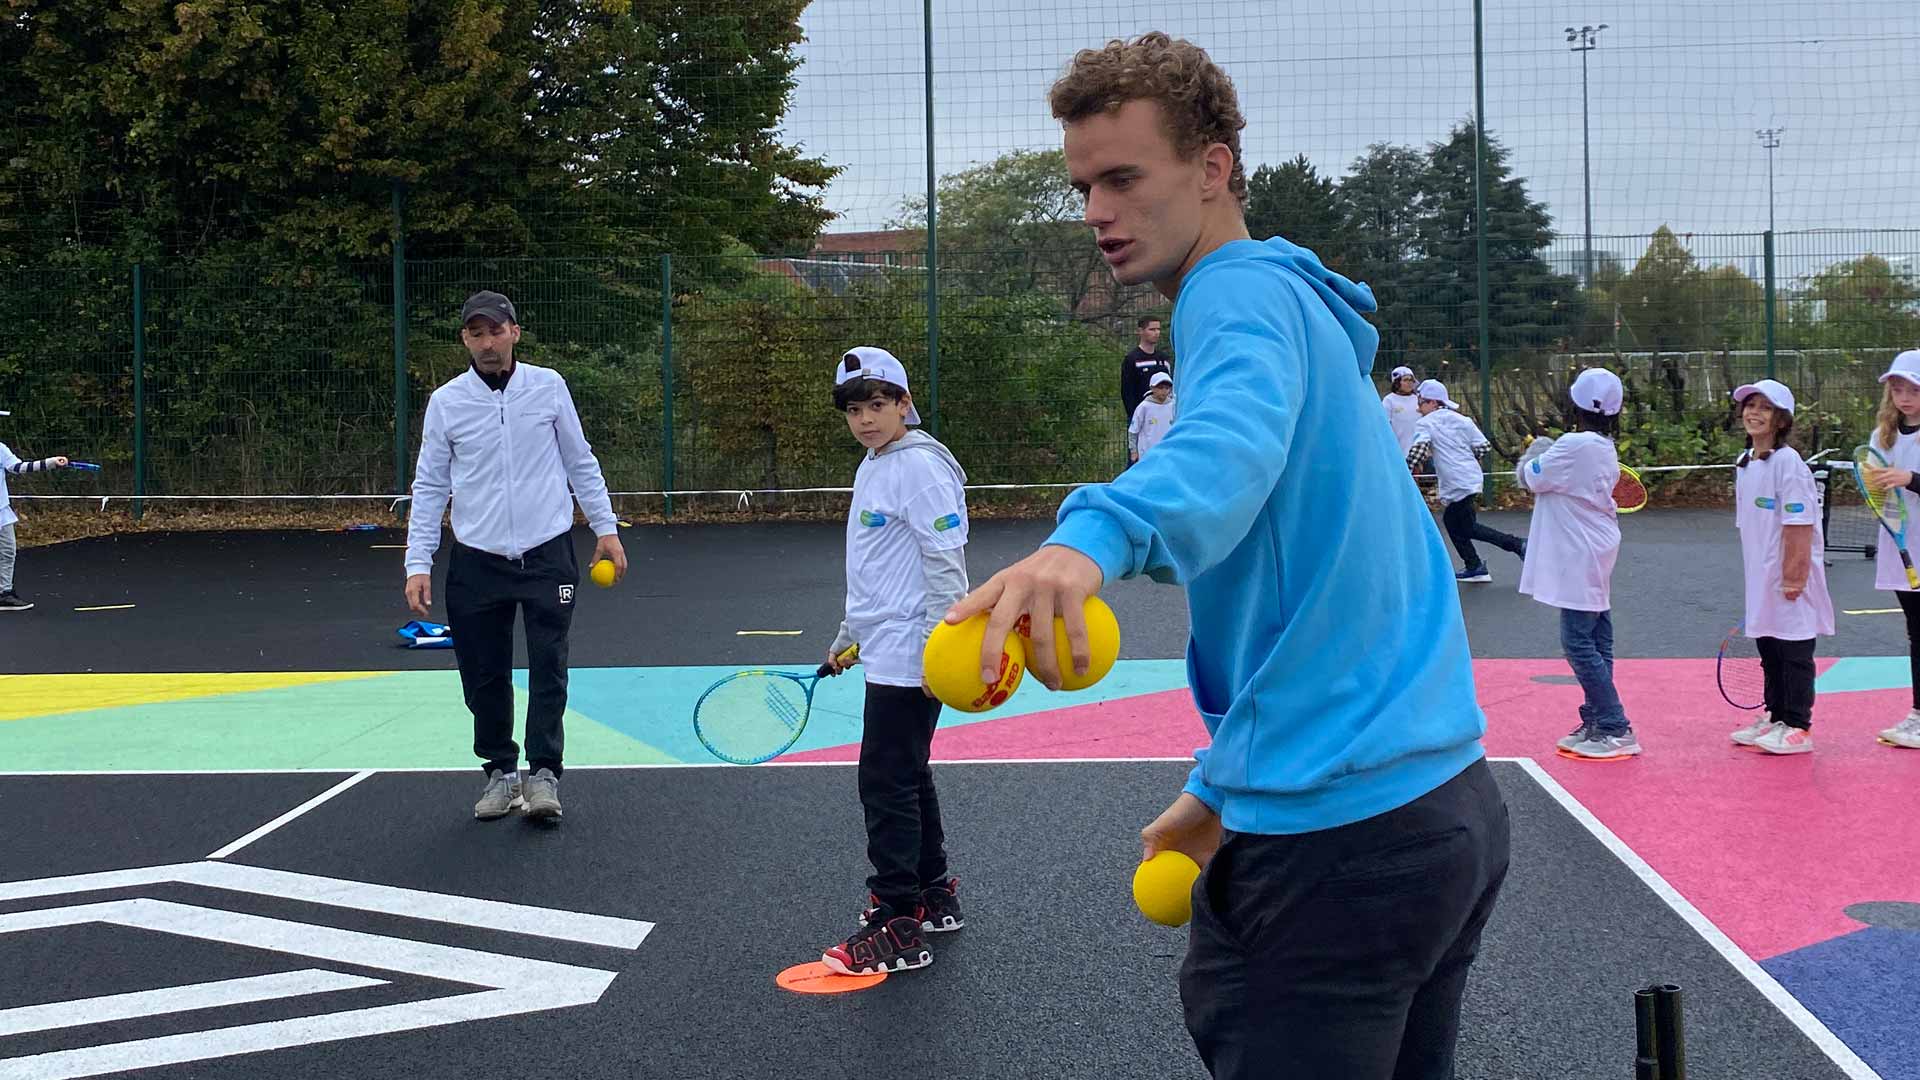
[[506, 458]]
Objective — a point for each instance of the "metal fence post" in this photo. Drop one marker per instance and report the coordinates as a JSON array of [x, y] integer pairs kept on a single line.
[[1772, 362], [1480, 229], [400, 486], [666, 379], [139, 390], [933, 242]]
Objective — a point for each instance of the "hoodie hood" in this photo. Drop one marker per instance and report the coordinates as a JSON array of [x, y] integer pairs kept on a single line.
[[1347, 300], [922, 442]]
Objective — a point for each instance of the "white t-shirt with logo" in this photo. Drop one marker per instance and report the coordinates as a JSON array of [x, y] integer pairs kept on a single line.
[[1575, 536], [1151, 422], [905, 501], [1888, 573], [1403, 412], [1769, 495], [1455, 465]]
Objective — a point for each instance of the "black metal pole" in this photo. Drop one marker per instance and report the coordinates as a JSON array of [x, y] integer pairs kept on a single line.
[[1646, 1057], [1670, 1032]]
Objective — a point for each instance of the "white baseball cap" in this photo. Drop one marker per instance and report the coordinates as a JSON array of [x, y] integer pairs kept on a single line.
[[1160, 378], [1771, 389], [1435, 390], [868, 362], [1401, 373], [1597, 390], [1906, 365]]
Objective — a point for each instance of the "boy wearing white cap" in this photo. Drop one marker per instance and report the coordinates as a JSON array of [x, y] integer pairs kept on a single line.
[[906, 565], [1151, 418], [1572, 545], [1896, 434], [1402, 407], [1777, 510], [1453, 445]]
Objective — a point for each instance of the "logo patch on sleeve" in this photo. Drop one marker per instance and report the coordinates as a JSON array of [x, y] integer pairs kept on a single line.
[[872, 519], [950, 521], [1763, 502], [1794, 508]]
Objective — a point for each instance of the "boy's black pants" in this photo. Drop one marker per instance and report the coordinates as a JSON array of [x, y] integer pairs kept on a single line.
[[483, 592], [905, 842]]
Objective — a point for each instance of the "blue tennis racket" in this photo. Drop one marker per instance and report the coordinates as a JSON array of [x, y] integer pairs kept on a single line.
[[83, 466], [1889, 507], [755, 716]]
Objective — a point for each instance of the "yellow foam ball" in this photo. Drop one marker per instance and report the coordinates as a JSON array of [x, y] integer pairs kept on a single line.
[[602, 573], [1163, 887], [951, 663], [1103, 638]]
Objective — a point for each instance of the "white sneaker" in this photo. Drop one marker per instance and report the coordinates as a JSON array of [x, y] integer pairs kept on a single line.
[[1786, 740], [1752, 733], [1905, 733]]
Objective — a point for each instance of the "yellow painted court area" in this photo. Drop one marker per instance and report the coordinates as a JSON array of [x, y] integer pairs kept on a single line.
[[23, 696]]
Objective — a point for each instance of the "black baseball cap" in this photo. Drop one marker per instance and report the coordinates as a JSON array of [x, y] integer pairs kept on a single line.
[[490, 305]]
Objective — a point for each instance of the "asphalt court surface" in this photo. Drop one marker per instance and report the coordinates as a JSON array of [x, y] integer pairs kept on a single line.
[[331, 601], [743, 872]]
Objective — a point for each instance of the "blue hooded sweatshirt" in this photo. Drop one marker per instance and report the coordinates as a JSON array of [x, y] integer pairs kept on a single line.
[[1328, 656]]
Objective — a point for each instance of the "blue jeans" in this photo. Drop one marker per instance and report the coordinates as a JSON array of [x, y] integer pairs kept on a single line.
[[1587, 638]]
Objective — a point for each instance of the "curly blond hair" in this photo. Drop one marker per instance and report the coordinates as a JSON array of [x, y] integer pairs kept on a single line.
[[1195, 96]]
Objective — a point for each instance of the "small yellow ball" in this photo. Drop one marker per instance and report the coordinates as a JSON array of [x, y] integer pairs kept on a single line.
[[951, 664], [602, 573], [1163, 887], [1103, 638]]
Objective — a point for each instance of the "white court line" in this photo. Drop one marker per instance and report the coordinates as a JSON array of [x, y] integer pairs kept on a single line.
[[1810, 1026], [177, 999], [291, 814]]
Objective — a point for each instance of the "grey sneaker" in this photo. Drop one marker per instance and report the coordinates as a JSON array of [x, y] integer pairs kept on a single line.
[[1905, 733], [501, 797], [1574, 737], [543, 796], [1749, 735], [1599, 747]]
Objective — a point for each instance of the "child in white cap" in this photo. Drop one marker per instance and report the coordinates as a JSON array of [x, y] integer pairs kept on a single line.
[[906, 565], [1777, 511], [1571, 547], [1453, 445], [1402, 406], [1152, 418], [1896, 434]]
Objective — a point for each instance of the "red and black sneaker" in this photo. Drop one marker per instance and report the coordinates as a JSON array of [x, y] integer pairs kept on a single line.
[[940, 907], [891, 944]]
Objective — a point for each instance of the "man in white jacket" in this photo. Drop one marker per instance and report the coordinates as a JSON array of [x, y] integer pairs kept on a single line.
[[503, 440]]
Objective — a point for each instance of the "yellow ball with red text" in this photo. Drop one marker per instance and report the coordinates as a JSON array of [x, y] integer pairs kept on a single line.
[[951, 666]]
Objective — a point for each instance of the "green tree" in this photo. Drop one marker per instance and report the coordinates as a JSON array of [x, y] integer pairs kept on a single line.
[[1862, 303], [1294, 201], [1529, 306], [521, 126], [1015, 225], [1381, 198]]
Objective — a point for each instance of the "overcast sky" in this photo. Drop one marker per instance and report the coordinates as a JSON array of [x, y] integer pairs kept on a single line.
[[1677, 88]]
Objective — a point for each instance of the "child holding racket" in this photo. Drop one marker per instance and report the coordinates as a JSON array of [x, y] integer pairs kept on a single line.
[[1572, 544], [11, 465], [1777, 511], [906, 565], [1896, 435], [1453, 445]]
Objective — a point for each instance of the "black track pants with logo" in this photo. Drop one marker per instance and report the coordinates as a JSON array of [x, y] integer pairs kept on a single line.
[[483, 591]]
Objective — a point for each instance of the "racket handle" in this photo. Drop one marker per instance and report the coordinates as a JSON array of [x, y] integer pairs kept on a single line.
[[853, 653]]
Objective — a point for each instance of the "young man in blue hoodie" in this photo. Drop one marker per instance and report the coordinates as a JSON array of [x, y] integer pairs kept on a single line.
[[1351, 832]]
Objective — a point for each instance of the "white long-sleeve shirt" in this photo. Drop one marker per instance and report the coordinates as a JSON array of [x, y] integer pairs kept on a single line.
[[10, 464], [506, 458]]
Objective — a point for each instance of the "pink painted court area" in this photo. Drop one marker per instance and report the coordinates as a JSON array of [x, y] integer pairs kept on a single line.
[[1771, 849]]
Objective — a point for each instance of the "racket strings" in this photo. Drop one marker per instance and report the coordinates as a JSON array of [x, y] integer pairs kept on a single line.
[[751, 717]]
